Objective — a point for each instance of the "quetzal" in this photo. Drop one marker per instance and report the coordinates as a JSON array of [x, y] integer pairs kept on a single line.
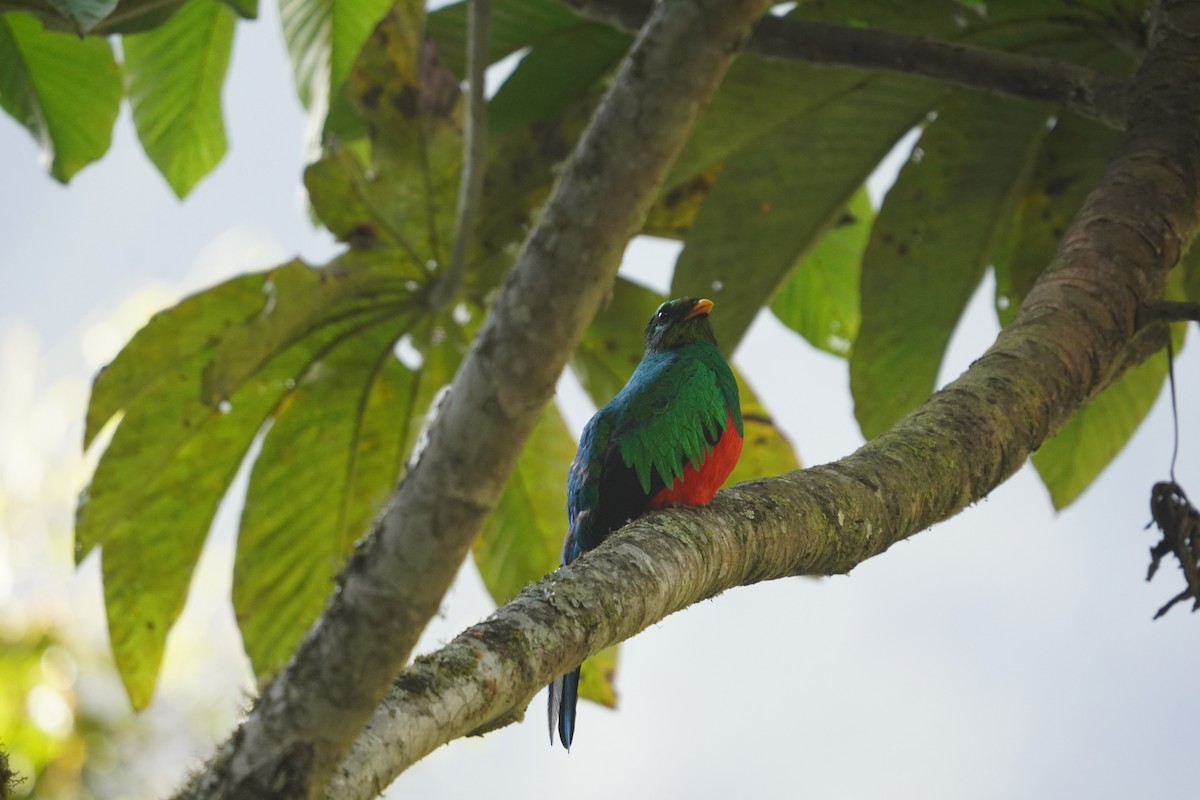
[[670, 437]]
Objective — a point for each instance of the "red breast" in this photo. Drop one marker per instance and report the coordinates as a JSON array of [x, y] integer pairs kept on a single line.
[[698, 485]]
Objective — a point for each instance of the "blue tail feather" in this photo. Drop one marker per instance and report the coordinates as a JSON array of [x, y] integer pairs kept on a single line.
[[563, 697]]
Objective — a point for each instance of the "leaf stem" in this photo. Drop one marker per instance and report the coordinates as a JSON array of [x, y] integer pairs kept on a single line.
[[470, 188]]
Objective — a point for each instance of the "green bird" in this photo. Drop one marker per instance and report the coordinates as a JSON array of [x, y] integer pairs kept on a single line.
[[670, 437]]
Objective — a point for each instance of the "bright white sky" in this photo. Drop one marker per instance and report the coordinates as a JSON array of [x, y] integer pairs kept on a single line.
[[1007, 653]]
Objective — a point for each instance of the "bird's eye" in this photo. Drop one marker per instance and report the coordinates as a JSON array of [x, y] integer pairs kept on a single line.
[[661, 316]]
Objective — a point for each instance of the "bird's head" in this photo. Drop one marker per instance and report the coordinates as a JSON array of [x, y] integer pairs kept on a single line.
[[679, 322]]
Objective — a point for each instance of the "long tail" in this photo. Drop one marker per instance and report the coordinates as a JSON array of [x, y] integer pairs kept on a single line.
[[564, 695]]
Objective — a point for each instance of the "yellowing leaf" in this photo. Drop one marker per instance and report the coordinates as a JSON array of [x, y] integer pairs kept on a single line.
[[195, 387]]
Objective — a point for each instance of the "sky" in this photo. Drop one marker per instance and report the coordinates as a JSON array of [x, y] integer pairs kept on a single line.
[[1008, 652]]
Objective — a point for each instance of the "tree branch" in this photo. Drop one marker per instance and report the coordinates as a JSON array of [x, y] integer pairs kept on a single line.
[[307, 718], [1086, 92], [1171, 311], [470, 190], [952, 451]]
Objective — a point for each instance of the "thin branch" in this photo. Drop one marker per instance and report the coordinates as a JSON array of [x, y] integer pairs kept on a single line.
[[952, 451], [306, 719], [470, 188], [1086, 92], [1170, 311]]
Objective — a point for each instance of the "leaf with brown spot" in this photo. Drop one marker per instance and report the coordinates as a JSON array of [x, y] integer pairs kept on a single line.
[[412, 107], [757, 213], [674, 212], [919, 271], [324, 37], [1067, 167]]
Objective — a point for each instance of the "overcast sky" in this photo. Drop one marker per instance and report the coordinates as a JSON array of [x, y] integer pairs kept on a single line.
[[1007, 653]]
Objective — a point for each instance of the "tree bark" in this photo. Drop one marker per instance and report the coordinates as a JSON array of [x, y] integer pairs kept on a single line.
[[1071, 332], [307, 718]]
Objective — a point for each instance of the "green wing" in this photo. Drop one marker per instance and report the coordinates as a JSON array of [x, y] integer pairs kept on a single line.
[[674, 418]]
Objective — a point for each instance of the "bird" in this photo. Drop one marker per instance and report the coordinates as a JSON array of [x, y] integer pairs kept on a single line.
[[670, 437]]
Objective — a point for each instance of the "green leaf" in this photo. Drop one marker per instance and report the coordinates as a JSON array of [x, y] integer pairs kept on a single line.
[[748, 107], [406, 194], [757, 213], [1190, 265], [675, 210], [195, 386], [933, 17], [137, 16], [515, 24], [413, 106], [1074, 457], [613, 345], [66, 91], [521, 170], [1100, 18], [328, 463], [324, 37], [554, 72], [400, 187], [175, 76], [300, 300], [919, 271], [403, 200], [820, 299], [759, 95], [522, 539], [597, 679], [766, 450], [246, 9], [150, 515], [84, 14], [1067, 167], [1069, 461], [150, 362], [347, 201]]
